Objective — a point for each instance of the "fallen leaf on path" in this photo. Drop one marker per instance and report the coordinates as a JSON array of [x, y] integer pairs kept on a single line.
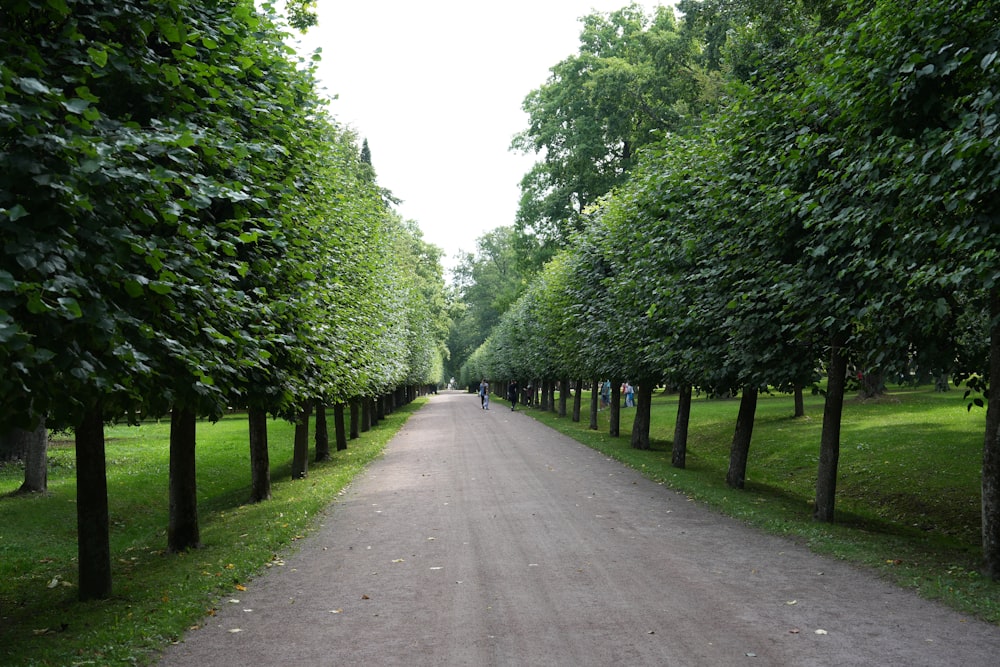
[[336, 611], [399, 560], [235, 630], [750, 655], [365, 597], [791, 602], [240, 587], [822, 632], [794, 631]]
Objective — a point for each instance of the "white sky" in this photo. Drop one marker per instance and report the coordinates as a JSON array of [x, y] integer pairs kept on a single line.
[[436, 87]]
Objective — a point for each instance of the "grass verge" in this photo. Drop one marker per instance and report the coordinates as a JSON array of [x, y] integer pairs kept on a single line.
[[156, 595], [908, 495]]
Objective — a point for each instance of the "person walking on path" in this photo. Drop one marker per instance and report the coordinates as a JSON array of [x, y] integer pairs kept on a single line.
[[512, 394], [484, 394]]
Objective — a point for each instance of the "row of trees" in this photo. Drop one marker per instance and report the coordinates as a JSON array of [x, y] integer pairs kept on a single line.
[[833, 212], [186, 230]]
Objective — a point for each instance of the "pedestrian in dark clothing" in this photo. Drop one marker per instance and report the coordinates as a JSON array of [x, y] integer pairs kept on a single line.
[[512, 394]]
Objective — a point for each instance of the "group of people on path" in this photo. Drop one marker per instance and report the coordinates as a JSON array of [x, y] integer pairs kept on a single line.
[[627, 390], [484, 394]]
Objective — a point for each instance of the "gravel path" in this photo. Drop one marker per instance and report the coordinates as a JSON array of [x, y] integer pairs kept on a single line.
[[485, 538]]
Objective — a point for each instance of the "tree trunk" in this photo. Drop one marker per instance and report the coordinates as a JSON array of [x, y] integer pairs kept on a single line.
[[93, 540], [355, 412], [260, 465], [36, 458], [679, 455], [563, 396], [739, 451], [577, 400], [322, 434], [872, 385], [829, 446], [643, 405], [543, 401], [380, 410], [340, 432], [300, 451], [594, 390], [991, 452], [615, 414], [552, 396], [366, 415], [800, 404], [182, 529]]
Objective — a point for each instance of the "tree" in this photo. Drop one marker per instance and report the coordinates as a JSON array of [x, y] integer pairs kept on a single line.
[[629, 83]]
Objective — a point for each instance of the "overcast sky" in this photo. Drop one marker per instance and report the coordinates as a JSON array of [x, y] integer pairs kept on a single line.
[[436, 87]]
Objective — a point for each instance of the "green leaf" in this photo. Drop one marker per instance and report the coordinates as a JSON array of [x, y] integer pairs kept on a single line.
[[70, 307], [76, 105], [98, 56], [988, 60], [35, 304], [133, 288], [16, 213], [33, 86], [160, 287]]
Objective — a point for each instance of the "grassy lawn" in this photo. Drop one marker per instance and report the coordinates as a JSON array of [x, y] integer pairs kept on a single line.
[[908, 493], [156, 595]]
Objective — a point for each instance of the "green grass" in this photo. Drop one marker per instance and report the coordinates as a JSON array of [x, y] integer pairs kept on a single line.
[[156, 595], [908, 492]]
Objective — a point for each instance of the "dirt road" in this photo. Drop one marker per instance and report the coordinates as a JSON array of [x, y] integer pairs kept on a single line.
[[484, 538]]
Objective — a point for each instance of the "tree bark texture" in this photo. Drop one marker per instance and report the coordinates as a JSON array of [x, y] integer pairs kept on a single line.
[[991, 451], [339, 429], [543, 401], [640, 426], [577, 400], [551, 402], [355, 416], [739, 451], [679, 455], [260, 465], [35, 445], [615, 414], [829, 444], [93, 540], [800, 404], [182, 527], [321, 436], [563, 396], [366, 415], [300, 448], [594, 390]]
